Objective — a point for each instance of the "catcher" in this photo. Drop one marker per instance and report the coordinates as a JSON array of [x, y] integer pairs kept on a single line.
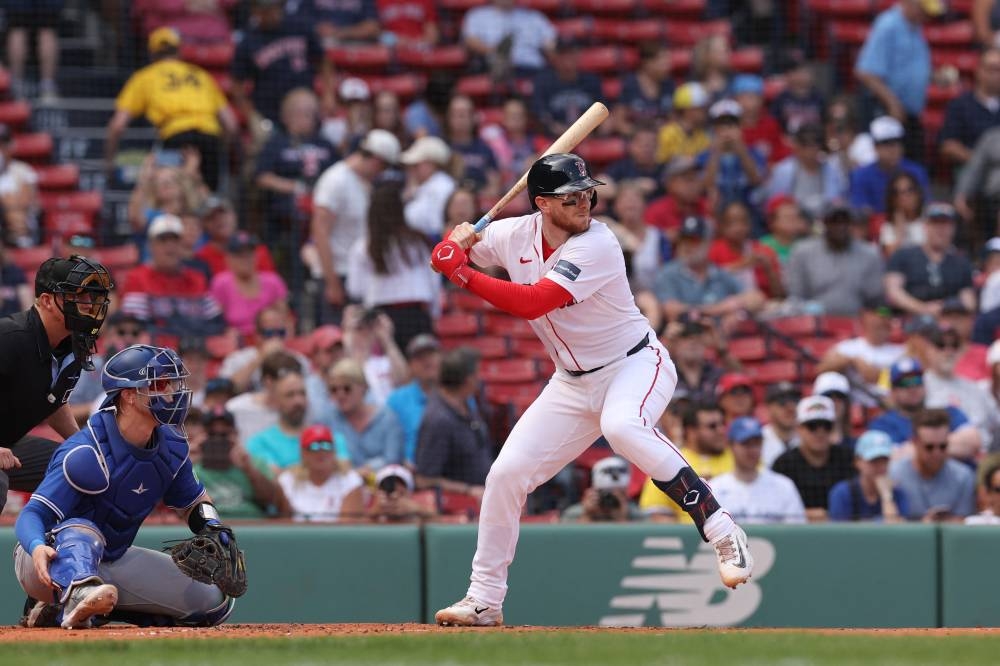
[[75, 557]]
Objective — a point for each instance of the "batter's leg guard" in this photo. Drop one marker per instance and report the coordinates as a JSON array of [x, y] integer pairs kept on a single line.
[[79, 548], [693, 495]]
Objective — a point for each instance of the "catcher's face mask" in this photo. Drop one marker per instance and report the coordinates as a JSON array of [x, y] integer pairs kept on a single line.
[[82, 297]]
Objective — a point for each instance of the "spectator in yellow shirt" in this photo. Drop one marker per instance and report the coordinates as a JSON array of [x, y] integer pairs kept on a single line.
[[685, 135], [706, 450], [181, 99]]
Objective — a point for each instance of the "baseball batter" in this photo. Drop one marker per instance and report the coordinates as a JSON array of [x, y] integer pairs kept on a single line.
[[74, 556], [613, 376]]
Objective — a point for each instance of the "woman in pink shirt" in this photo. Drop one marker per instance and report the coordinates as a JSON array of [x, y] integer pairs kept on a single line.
[[242, 290]]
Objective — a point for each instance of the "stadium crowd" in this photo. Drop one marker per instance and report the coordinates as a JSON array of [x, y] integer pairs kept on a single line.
[[819, 253]]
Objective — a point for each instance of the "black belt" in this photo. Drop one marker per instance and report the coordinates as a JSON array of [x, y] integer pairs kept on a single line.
[[642, 343]]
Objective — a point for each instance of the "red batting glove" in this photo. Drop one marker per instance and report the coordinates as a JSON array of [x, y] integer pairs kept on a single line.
[[449, 259]]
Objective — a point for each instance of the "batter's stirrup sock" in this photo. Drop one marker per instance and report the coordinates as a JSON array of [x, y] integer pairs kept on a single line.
[[691, 494]]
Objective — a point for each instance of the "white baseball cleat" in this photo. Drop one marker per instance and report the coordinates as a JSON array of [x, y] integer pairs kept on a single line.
[[469, 613], [735, 561], [86, 601]]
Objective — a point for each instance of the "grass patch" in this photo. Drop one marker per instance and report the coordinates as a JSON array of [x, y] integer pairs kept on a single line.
[[682, 648]]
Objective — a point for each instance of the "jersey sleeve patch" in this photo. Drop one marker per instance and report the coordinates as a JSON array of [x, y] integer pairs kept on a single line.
[[568, 270], [85, 470]]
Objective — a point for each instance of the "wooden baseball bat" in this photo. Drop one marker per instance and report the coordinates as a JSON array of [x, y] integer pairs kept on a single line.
[[566, 142]]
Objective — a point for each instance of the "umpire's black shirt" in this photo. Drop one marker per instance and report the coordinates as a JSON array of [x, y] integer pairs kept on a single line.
[[35, 380]]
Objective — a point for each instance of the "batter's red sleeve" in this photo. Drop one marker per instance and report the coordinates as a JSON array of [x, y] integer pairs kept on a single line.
[[529, 301]]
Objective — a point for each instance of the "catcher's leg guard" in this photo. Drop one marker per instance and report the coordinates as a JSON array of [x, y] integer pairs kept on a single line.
[[79, 548]]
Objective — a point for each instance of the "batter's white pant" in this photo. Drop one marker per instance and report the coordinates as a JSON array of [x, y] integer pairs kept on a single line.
[[623, 400], [148, 581]]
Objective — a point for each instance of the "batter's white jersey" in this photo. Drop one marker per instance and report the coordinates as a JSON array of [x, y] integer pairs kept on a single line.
[[603, 322]]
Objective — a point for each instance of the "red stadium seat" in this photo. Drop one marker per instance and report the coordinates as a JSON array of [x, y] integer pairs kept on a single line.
[[459, 299], [601, 59], [576, 28], [35, 147], [4, 82], [477, 86], [602, 150], [772, 372], [457, 325], [454, 503], [843, 8], [366, 57], [750, 59], [210, 56], [689, 33], [773, 87], [506, 393], [509, 371], [492, 115], [549, 7], [965, 62], [442, 57], [680, 60], [803, 326], [118, 257], [957, 34], [939, 96], [15, 114], [745, 328], [28, 259], [849, 33], [458, 5], [58, 177], [405, 86], [748, 349], [611, 88], [608, 7], [490, 347], [673, 8], [71, 213], [84, 202], [221, 346], [628, 32], [528, 348], [501, 323]]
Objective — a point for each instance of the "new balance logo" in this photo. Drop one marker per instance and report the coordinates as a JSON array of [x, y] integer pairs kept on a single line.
[[667, 589]]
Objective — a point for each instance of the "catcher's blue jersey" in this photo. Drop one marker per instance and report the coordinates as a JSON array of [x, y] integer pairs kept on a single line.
[[95, 474]]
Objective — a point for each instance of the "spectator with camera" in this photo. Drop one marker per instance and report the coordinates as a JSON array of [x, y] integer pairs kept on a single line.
[[606, 500], [781, 432], [751, 492], [372, 434], [871, 495], [409, 401], [706, 450], [454, 448], [322, 488], [816, 465], [369, 339], [238, 483], [937, 488], [393, 500]]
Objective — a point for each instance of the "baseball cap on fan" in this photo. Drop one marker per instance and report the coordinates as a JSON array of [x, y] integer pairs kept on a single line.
[[831, 382], [165, 225], [725, 110], [317, 438], [873, 444], [745, 428], [906, 372], [382, 144], [395, 471], [353, 89], [164, 38], [690, 96], [427, 149], [886, 129], [611, 473], [815, 408]]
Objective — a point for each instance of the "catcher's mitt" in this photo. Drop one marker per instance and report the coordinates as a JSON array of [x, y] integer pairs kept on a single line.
[[212, 557]]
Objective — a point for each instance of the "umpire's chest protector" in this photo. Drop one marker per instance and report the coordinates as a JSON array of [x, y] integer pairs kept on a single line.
[[137, 480]]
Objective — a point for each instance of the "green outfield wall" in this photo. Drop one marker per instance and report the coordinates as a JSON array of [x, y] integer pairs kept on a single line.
[[614, 575]]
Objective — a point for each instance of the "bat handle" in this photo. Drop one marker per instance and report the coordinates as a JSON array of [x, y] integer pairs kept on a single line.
[[481, 224]]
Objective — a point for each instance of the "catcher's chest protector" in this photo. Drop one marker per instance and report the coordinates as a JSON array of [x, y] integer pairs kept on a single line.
[[137, 480]]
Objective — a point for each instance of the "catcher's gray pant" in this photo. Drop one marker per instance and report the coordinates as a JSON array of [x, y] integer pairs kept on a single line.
[[148, 581]]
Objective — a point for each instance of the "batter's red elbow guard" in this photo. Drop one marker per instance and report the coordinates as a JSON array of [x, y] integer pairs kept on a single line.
[[693, 495]]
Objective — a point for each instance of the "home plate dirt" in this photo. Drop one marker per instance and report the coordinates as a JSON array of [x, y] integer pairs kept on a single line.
[[119, 632]]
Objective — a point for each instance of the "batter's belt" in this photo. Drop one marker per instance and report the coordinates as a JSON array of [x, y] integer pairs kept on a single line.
[[642, 343]]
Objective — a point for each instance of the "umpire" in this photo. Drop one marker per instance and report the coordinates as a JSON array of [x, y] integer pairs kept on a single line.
[[42, 351]]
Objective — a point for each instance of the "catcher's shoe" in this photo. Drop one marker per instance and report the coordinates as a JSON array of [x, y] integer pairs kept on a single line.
[[40, 614], [86, 601], [469, 613], [735, 561]]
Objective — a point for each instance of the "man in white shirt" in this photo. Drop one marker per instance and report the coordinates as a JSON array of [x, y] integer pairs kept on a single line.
[[340, 209], [989, 297], [428, 185], [516, 36], [865, 357], [753, 494]]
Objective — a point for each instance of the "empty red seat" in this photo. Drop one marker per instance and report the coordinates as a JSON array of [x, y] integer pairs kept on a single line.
[[839, 328], [674, 7], [939, 96], [28, 259], [772, 372], [965, 62], [490, 347], [367, 57], [477, 86], [501, 323], [35, 147], [849, 33], [602, 150], [406, 86], [16, 114], [86, 202], [69, 223], [58, 177], [601, 59], [458, 324], [455, 503], [748, 349], [750, 59], [502, 393], [628, 32], [467, 301], [513, 371], [611, 88], [579, 27], [846, 8], [528, 348], [442, 57], [689, 33], [458, 5], [612, 7], [950, 35], [803, 326], [120, 256], [550, 7], [210, 56]]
